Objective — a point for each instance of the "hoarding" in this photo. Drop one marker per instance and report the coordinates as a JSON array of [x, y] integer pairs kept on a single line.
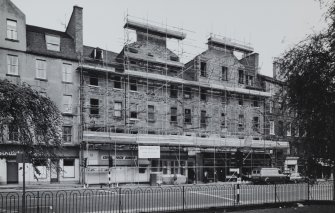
[[149, 152]]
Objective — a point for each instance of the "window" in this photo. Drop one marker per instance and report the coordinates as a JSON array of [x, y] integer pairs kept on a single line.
[[224, 76], [67, 103], [94, 81], [173, 114], [241, 77], [187, 93], [271, 107], [188, 118], [133, 111], [151, 113], [255, 102], [255, 124], [203, 69], [288, 130], [41, 69], [13, 133], [118, 109], [272, 128], [53, 42], [67, 73], [133, 85], [12, 64], [240, 100], [11, 29], [203, 94], [223, 120], [203, 118], [68, 168], [249, 80], [280, 128], [117, 82], [94, 109], [240, 123], [67, 134], [173, 91]]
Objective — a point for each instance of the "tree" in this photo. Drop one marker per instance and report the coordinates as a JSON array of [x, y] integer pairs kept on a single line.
[[309, 92], [35, 119]]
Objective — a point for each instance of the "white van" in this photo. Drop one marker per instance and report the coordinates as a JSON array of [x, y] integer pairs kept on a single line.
[[268, 175]]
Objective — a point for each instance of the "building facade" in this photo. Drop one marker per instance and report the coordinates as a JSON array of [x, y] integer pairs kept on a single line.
[[206, 119]]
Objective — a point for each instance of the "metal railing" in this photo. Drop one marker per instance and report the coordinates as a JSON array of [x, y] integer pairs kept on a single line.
[[162, 198]]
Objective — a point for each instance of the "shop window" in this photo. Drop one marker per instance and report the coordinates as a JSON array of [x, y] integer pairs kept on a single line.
[[117, 82], [41, 167], [94, 108], [165, 167], [141, 169], [69, 168], [187, 116], [173, 91], [203, 69]]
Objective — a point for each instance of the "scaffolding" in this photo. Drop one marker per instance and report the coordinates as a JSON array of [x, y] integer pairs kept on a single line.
[[164, 98]]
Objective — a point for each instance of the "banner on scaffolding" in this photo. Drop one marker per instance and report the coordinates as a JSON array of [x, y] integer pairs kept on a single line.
[[149, 152]]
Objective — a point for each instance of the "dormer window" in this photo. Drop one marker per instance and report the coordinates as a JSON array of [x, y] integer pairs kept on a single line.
[[150, 54], [174, 58], [97, 54], [53, 42]]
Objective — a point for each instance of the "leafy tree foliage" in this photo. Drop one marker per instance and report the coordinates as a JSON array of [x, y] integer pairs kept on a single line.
[[35, 118], [309, 91]]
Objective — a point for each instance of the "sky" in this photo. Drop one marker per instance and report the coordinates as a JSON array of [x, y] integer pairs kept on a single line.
[[269, 26]]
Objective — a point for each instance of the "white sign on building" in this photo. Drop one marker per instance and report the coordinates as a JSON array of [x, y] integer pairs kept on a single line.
[[149, 152]]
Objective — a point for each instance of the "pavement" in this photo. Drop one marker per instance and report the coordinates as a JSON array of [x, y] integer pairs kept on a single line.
[[295, 209]]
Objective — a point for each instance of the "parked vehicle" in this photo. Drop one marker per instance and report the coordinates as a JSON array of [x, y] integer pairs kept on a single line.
[[296, 177], [268, 175]]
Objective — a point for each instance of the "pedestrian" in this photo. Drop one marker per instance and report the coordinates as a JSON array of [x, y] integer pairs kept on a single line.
[[175, 179]]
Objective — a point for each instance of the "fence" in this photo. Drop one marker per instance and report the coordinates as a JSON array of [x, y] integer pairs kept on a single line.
[[165, 198]]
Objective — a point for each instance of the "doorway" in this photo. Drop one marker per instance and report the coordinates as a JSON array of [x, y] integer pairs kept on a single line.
[[54, 176], [12, 172]]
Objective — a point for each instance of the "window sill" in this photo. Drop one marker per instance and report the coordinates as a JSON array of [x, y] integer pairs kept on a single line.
[[67, 113], [133, 91], [13, 75], [118, 89], [65, 82], [12, 40], [95, 86], [41, 79]]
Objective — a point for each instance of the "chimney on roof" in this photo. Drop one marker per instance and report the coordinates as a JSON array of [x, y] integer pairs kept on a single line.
[[75, 28]]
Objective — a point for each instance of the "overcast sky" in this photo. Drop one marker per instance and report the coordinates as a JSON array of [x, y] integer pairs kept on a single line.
[[271, 26]]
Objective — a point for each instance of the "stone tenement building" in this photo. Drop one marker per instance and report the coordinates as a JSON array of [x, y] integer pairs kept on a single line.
[[142, 111]]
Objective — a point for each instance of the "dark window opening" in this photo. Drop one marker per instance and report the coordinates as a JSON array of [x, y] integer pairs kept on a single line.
[[133, 85], [255, 124], [240, 100], [255, 102], [173, 114], [224, 76], [203, 94], [68, 162], [240, 123], [203, 118], [94, 109], [187, 93], [203, 69], [133, 114], [67, 134], [173, 91], [151, 113], [223, 120], [94, 81], [188, 117], [117, 82], [241, 77]]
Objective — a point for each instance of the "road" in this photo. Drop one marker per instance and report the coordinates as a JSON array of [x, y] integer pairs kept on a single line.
[[148, 199]]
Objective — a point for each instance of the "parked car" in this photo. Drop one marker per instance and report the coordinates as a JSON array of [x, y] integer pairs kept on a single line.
[[268, 175], [296, 177]]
